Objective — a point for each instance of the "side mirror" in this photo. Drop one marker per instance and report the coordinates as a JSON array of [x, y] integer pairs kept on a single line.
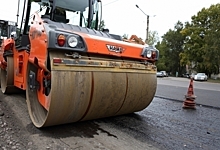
[[14, 35]]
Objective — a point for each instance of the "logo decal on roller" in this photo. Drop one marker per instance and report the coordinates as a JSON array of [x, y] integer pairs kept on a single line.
[[116, 49]]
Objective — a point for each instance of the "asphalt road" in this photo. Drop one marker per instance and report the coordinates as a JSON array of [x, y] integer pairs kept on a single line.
[[163, 125], [208, 94]]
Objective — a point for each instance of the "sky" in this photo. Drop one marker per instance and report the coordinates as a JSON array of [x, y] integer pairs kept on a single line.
[[123, 17]]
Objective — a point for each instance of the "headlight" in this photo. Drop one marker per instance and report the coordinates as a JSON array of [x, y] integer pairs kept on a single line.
[[149, 54], [72, 41]]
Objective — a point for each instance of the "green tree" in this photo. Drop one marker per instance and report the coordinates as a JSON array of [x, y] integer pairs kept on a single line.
[[153, 38], [101, 25], [202, 46], [170, 48], [162, 63], [125, 36]]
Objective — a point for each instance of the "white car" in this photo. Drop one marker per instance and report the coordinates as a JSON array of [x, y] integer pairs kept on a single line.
[[200, 77], [164, 73], [160, 74]]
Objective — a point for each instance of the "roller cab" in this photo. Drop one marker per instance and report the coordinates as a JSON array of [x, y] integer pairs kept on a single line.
[[73, 71]]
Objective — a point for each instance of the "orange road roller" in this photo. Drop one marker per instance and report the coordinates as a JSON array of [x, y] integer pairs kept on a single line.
[[71, 68]]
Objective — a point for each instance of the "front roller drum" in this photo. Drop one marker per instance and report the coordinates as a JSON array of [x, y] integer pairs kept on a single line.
[[66, 96]]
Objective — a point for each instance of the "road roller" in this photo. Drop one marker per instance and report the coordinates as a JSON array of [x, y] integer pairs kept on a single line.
[[7, 30], [70, 68]]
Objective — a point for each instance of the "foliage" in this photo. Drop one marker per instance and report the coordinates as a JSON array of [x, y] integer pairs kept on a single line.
[[202, 46], [101, 25], [153, 38], [125, 36], [170, 48], [195, 44]]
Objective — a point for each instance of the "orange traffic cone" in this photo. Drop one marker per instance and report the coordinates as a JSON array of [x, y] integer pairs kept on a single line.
[[190, 97]]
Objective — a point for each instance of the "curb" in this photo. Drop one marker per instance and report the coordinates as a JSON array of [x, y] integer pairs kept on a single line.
[[178, 100]]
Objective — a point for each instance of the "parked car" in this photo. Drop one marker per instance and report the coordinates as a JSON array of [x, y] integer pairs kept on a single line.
[[160, 74], [200, 77], [165, 74]]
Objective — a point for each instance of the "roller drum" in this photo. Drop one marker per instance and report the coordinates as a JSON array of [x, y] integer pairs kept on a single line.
[[80, 94], [7, 78]]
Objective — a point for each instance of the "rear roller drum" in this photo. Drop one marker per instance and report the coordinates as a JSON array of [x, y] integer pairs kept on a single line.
[[7, 78]]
